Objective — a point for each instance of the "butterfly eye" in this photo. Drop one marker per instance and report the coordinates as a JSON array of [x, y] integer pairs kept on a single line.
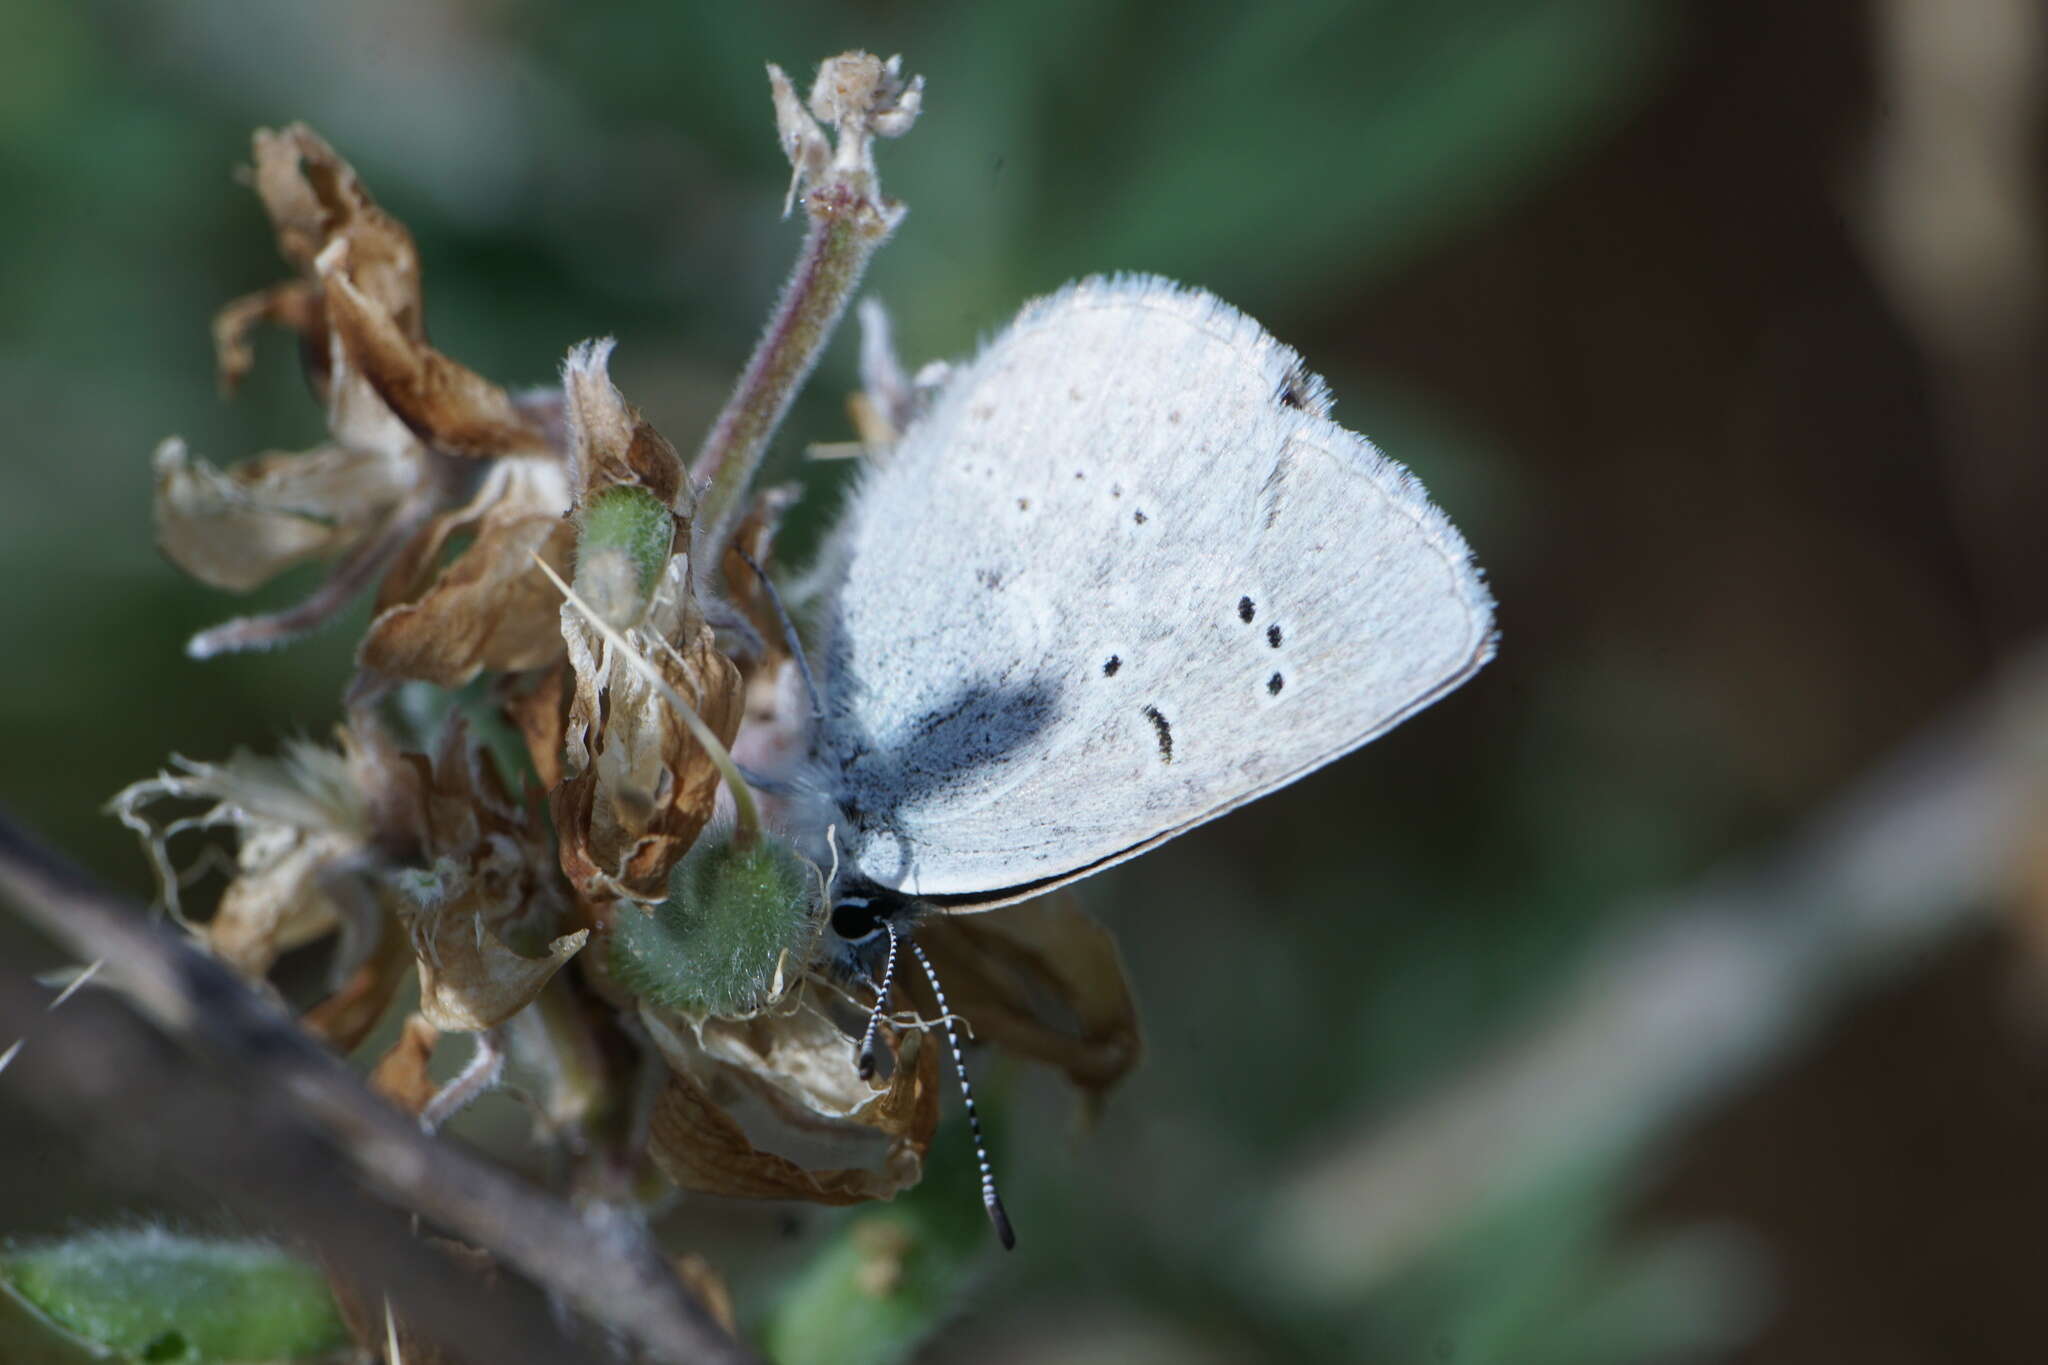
[[857, 918]]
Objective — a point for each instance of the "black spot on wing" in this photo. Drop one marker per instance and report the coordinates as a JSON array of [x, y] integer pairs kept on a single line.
[[1111, 665], [1274, 684], [1245, 610], [1164, 731], [1273, 636]]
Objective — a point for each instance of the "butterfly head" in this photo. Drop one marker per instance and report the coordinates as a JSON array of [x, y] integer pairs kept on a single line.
[[865, 916]]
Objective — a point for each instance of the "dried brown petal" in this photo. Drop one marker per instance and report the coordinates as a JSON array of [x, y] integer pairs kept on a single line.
[[489, 608], [294, 305], [345, 1018], [738, 1127], [710, 1289], [470, 982], [314, 199], [315, 202], [448, 405], [239, 528], [401, 1074], [798, 1049], [277, 903], [298, 816], [1043, 980], [541, 713], [464, 801], [298, 218]]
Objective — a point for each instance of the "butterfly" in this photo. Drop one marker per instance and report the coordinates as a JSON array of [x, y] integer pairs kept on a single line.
[[1121, 575]]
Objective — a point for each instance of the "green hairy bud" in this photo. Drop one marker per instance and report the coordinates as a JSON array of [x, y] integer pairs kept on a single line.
[[737, 912], [626, 537]]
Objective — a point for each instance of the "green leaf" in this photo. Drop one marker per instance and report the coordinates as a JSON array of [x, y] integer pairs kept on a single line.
[[157, 1296]]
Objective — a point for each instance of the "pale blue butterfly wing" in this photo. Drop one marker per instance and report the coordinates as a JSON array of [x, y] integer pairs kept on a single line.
[[1124, 575]]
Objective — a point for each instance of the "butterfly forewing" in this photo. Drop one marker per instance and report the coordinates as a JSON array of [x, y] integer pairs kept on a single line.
[[1122, 577]]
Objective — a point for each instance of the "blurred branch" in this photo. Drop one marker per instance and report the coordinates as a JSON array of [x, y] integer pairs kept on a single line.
[[251, 1108], [1693, 999]]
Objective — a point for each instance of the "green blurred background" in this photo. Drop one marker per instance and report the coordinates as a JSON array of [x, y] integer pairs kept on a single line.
[[1715, 326]]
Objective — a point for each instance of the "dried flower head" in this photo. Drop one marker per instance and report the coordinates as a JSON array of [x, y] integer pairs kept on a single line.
[[860, 95], [770, 1107], [399, 478], [637, 786], [365, 841], [303, 832], [484, 912]]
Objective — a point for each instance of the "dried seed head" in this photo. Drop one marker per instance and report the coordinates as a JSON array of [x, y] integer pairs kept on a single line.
[[637, 784], [862, 97], [483, 913]]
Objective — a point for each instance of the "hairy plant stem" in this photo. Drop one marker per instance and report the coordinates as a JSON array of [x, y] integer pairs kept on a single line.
[[848, 223]]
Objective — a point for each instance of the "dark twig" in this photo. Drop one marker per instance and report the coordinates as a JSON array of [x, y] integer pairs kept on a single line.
[[254, 1110]]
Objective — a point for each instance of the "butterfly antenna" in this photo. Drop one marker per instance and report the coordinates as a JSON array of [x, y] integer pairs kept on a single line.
[[989, 1198], [789, 636], [864, 1061]]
